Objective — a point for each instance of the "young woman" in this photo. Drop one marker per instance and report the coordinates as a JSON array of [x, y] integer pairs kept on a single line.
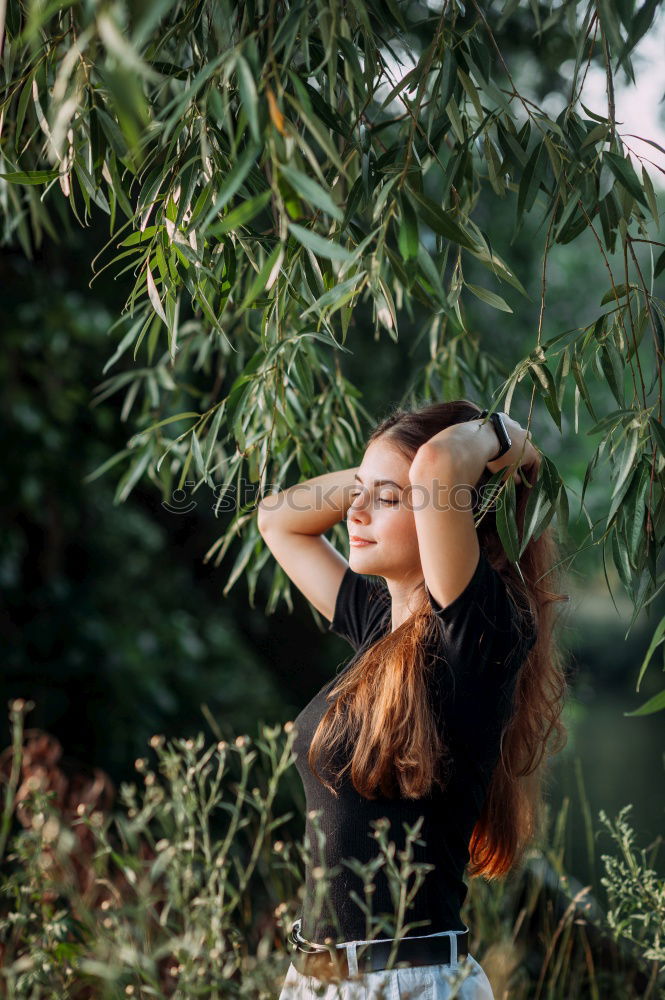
[[444, 711]]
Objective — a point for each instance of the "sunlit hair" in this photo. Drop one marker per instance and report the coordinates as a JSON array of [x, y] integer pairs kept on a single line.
[[380, 708]]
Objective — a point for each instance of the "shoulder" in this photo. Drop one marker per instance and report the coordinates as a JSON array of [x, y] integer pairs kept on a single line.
[[486, 622], [361, 601]]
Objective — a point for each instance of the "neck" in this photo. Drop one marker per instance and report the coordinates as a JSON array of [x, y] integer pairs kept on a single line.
[[404, 596]]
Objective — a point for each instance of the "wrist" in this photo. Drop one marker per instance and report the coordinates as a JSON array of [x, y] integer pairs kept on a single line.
[[472, 440], [494, 443], [498, 421]]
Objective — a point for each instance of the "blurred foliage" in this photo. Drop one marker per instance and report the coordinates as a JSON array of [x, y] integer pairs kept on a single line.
[[104, 621], [166, 125], [284, 170], [75, 566], [277, 172], [190, 887]]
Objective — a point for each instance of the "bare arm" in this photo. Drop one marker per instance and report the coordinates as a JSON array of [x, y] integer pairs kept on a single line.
[[476, 441], [292, 523], [311, 507], [454, 457]]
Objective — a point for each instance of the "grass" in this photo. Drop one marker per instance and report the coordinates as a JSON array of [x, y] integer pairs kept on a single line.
[[189, 886]]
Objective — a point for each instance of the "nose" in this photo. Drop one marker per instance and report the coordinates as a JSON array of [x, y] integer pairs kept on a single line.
[[358, 508]]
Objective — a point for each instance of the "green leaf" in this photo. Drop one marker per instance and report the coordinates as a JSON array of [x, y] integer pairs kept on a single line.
[[563, 509], [535, 515], [612, 420], [659, 266], [493, 162], [542, 378], [505, 520], [131, 477], [407, 234], [532, 177], [471, 92], [640, 23], [139, 237], [198, 459], [211, 437], [260, 280], [620, 555], [430, 274], [249, 96], [636, 506], [624, 173], [613, 366], [596, 117], [108, 464], [629, 463], [491, 298], [442, 222], [658, 433], [578, 375], [233, 180], [153, 295], [240, 385], [336, 296], [486, 85], [112, 132], [241, 215], [499, 268], [656, 640], [655, 704], [30, 176], [597, 134], [318, 244], [350, 54], [650, 195], [448, 76], [616, 293], [311, 191]]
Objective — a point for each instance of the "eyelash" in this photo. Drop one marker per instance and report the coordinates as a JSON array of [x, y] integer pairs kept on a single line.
[[391, 502]]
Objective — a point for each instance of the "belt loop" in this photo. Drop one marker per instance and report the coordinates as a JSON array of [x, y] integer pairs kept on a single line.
[[453, 948], [352, 958]]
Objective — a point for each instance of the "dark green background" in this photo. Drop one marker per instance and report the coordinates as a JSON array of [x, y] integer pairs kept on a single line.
[[115, 628]]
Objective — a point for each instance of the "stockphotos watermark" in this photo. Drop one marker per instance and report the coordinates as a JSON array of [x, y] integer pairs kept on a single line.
[[303, 497]]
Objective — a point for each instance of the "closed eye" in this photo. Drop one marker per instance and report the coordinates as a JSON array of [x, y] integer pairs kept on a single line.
[[352, 496]]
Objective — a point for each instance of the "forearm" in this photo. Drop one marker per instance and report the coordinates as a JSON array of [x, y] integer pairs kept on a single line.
[[311, 507], [467, 446], [471, 445]]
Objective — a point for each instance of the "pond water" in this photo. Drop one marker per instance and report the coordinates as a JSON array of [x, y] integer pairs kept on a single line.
[[619, 759]]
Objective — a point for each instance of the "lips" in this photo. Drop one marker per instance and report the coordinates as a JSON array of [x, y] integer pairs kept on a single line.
[[357, 540]]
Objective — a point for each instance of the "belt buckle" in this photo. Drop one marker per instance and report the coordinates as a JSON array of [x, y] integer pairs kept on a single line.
[[300, 943], [329, 966]]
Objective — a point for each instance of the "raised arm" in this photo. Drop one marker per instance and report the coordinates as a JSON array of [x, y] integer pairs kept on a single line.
[[452, 459], [292, 523]]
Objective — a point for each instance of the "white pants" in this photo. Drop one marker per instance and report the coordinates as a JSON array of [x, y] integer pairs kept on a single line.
[[463, 979]]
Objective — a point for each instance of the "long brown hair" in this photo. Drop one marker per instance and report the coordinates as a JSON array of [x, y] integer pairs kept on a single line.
[[380, 710]]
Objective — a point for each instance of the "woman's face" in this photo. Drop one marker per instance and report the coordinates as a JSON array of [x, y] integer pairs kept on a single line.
[[382, 514]]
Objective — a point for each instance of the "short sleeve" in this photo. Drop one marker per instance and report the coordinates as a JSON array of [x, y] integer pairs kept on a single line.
[[357, 606], [481, 630]]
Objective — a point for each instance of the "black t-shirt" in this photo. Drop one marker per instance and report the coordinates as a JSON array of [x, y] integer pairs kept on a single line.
[[479, 648]]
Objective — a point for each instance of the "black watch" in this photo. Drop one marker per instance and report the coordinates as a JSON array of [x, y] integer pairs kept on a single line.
[[501, 433]]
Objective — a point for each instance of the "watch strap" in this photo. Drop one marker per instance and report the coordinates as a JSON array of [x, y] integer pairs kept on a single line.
[[501, 433]]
